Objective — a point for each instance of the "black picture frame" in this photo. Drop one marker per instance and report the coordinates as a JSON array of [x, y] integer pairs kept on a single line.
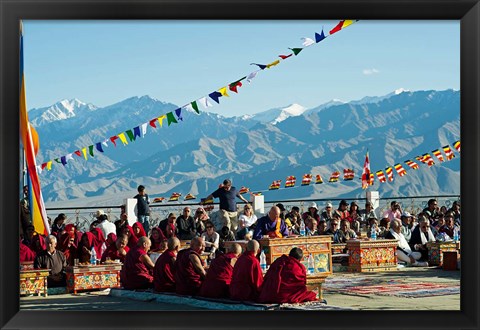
[[467, 11]]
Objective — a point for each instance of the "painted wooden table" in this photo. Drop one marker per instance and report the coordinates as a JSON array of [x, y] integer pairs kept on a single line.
[[315, 282], [34, 281], [436, 249], [372, 255], [91, 277]]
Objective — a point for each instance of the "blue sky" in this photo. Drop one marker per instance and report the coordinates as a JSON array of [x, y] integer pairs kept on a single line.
[[104, 62]]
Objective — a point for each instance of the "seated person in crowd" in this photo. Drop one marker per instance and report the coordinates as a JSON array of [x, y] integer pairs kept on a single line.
[[292, 220], [137, 269], [168, 222], [219, 274], [245, 221], [455, 209], [200, 217], [190, 268], [354, 217], [327, 214], [285, 280], [345, 233], [322, 227], [421, 235], [54, 260], [59, 224], [437, 225], [449, 226], [163, 272], [118, 250], [367, 213], [121, 223], [247, 275], [404, 252], [334, 231], [132, 239], [395, 211], [38, 243], [384, 227], [311, 226], [225, 235], [342, 209], [99, 241], [406, 225], [159, 241], [28, 236], [26, 254], [312, 211], [271, 225], [66, 244], [138, 230], [372, 223], [186, 225], [211, 238], [85, 246]]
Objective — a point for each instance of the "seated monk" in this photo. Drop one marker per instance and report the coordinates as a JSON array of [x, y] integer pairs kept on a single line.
[[25, 253], [52, 259], [118, 250], [163, 272], [66, 244], [285, 281], [219, 274], [271, 225], [84, 251], [247, 275], [136, 270], [190, 268]]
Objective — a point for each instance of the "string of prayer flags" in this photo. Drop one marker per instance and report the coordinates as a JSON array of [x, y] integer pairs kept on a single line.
[[456, 145], [174, 197], [400, 170], [348, 174], [412, 164], [189, 197], [275, 185], [243, 190], [448, 152], [307, 178], [290, 181], [334, 177], [318, 179], [437, 153], [428, 159], [389, 172]]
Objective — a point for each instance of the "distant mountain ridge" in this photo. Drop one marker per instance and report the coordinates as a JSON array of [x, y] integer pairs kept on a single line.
[[198, 153]]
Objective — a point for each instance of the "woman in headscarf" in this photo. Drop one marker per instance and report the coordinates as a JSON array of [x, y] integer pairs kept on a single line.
[[66, 244], [159, 242], [111, 239], [38, 243], [138, 230], [132, 239], [99, 242], [85, 247], [59, 224]]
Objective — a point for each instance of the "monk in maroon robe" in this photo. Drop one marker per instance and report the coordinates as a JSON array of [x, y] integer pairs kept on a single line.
[[285, 281], [116, 251], [190, 268], [219, 274], [247, 276], [66, 244], [136, 269], [163, 273], [25, 253]]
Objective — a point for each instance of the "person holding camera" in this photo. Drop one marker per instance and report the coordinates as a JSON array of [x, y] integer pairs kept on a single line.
[[395, 212]]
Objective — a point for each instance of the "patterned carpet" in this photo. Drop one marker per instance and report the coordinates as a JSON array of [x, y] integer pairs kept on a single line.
[[363, 286]]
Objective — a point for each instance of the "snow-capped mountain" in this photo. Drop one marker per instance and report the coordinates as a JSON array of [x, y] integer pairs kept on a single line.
[[200, 151], [277, 115], [59, 111]]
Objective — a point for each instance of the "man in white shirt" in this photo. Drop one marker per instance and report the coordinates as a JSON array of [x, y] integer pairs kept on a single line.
[[106, 226]]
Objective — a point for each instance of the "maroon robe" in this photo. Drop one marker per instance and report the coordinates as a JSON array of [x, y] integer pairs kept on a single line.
[[157, 245], [132, 239], [187, 281], [112, 253], [135, 273], [219, 276], [285, 282], [25, 253], [98, 241], [68, 249], [163, 273], [81, 254], [247, 278]]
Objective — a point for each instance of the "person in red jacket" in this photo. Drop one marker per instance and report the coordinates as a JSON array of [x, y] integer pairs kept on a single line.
[[26, 254], [285, 281], [190, 268], [247, 275], [163, 272], [219, 274], [137, 267]]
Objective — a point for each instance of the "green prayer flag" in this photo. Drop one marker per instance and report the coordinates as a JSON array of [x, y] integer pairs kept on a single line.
[[171, 118], [296, 51], [90, 150], [195, 106], [130, 135]]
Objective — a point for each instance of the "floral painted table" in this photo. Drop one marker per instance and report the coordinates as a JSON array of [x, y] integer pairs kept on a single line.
[[372, 255], [91, 277]]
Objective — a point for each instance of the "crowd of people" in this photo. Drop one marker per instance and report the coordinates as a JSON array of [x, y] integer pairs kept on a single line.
[[229, 273]]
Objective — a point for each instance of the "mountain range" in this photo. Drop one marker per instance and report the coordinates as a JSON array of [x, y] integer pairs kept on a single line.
[[196, 154]]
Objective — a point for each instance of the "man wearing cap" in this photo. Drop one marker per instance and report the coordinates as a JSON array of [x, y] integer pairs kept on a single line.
[[228, 207], [406, 229], [312, 211], [327, 214]]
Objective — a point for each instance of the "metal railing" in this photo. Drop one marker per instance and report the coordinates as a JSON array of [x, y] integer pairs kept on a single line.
[[82, 217]]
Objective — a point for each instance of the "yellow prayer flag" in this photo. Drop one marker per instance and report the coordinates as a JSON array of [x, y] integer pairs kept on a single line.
[[84, 151], [160, 120], [223, 91], [347, 23], [123, 139], [273, 64], [49, 165]]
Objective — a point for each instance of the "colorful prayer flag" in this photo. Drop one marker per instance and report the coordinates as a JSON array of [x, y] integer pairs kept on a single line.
[[348, 174], [307, 178], [400, 170], [284, 57], [272, 64], [307, 42], [275, 185], [372, 179], [389, 172], [438, 154], [261, 66], [290, 181], [243, 190], [174, 197], [412, 164], [334, 177], [448, 152], [318, 179], [158, 199], [456, 145], [296, 51], [319, 37], [428, 159], [189, 197]]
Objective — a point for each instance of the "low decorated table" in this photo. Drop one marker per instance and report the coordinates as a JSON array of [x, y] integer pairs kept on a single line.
[[372, 255], [436, 249], [90, 277], [34, 281]]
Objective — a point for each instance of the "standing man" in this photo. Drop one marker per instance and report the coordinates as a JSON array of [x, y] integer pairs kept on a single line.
[[228, 208], [143, 210]]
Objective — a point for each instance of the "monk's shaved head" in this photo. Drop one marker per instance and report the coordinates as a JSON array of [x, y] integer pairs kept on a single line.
[[144, 239], [274, 213], [196, 242], [173, 243], [235, 248], [253, 246], [296, 253]]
